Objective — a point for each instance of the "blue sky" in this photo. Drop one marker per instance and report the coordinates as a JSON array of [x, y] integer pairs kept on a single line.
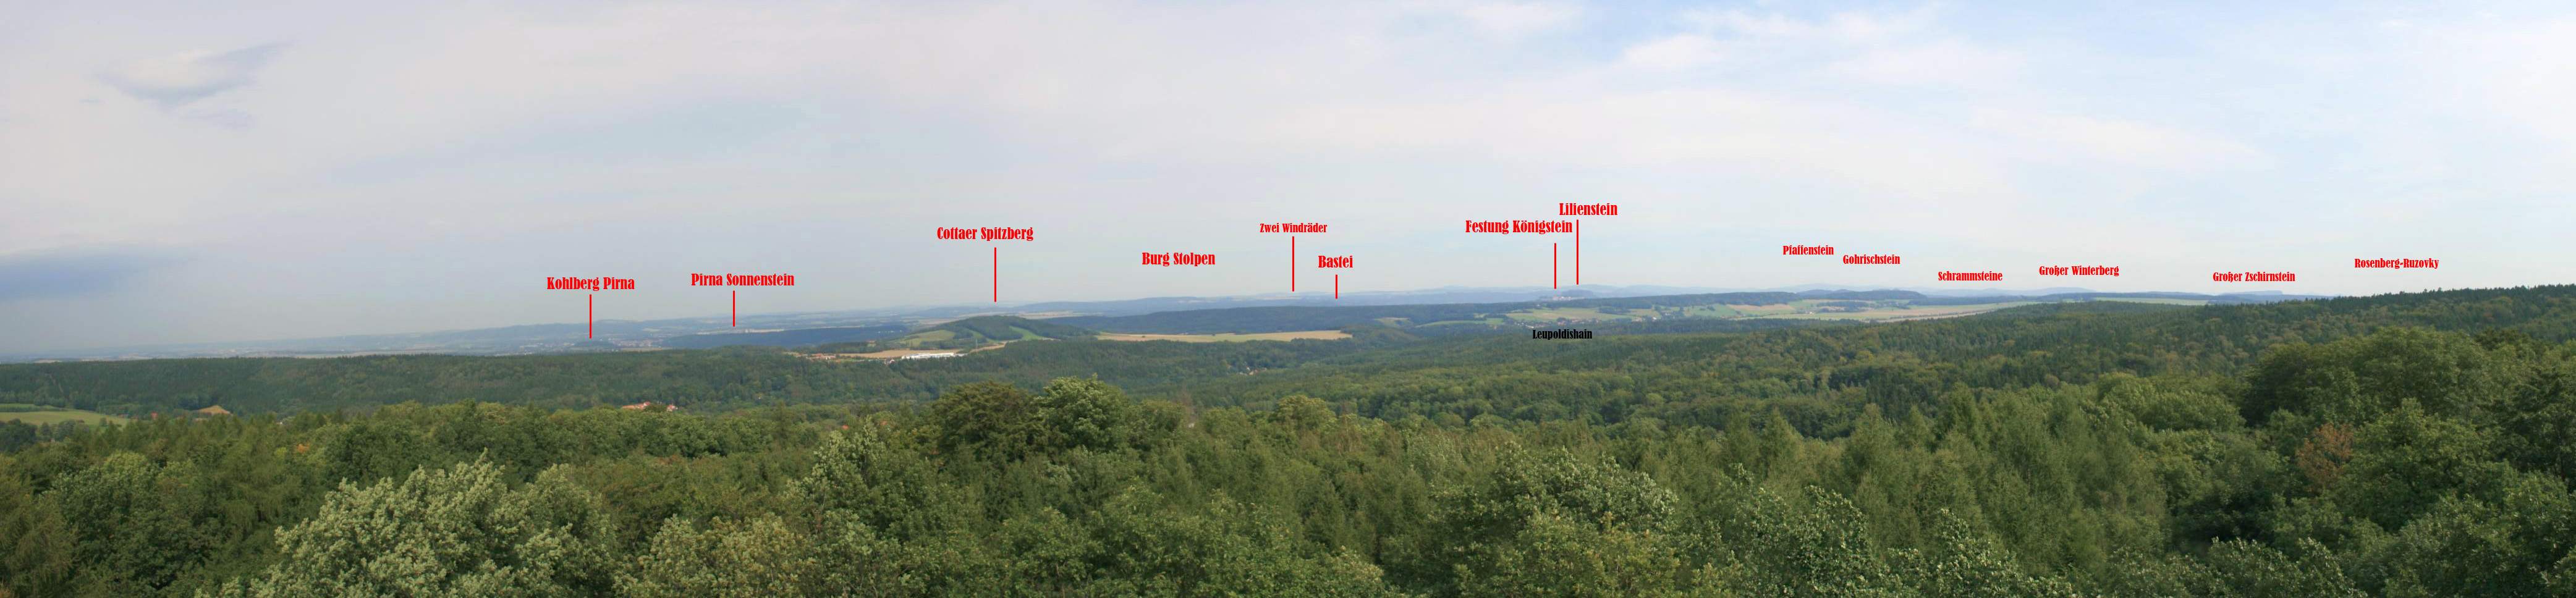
[[226, 173]]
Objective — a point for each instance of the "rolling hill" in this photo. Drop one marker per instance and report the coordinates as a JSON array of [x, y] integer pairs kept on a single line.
[[968, 333], [1742, 361]]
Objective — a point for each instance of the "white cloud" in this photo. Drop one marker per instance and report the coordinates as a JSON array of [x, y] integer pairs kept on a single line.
[[178, 79], [1848, 27], [1947, 62], [1897, 48], [1515, 19], [1672, 53], [2515, 73], [2123, 143]]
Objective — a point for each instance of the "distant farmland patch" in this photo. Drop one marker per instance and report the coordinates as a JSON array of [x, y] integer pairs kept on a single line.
[[41, 415], [1228, 337], [1905, 312]]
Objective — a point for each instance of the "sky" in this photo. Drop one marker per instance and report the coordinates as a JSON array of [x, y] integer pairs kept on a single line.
[[185, 171]]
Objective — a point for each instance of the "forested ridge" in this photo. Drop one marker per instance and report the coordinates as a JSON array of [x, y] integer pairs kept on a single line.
[[2401, 445], [1687, 360], [1307, 317]]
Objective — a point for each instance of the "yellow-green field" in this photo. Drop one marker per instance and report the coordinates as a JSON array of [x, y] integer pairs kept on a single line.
[[1711, 311], [894, 353], [49, 415], [1757, 311], [1228, 337]]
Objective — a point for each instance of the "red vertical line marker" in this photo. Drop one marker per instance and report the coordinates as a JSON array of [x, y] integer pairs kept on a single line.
[[1551, 265], [1292, 264], [737, 308], [590, 316], [1578, 252], [1337, 286], [997, 275]]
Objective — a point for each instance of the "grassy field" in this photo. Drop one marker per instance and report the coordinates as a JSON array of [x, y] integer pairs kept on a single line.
[[1711, 311], [1013, 334], [1228, 337], [1578, 313], [893, 353], [1756, 311], [20, 412]]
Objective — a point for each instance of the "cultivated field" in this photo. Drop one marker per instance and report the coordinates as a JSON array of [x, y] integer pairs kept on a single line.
[[893, 353], [2157, 300], [20, 412], [1906, 313], [1228, 337]]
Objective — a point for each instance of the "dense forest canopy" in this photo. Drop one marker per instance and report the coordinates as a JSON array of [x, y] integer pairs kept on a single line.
[[2402, 445]]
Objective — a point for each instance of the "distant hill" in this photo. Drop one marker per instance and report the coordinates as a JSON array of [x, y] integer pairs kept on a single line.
[[1462, 318], [1438, 296], [1466, 309], [786, 338], [1729, 364], [969, 333], [1293, 318]]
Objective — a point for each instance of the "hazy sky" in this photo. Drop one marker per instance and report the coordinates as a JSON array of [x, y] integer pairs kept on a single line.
[[194, 171]]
